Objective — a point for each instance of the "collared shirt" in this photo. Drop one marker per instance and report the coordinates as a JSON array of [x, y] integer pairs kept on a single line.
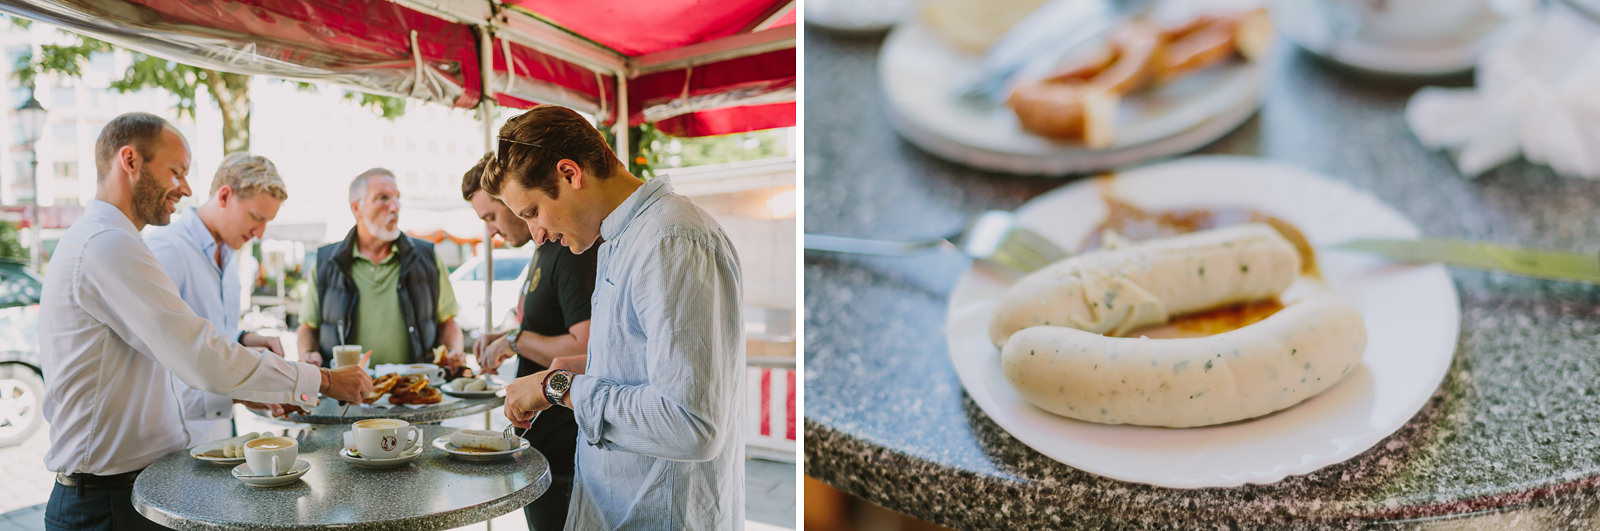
[[380, 325], [187, 252], [661, 403], [111, 330]]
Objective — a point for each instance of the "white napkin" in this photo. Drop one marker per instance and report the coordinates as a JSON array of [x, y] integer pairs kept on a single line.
[[1538, 94]]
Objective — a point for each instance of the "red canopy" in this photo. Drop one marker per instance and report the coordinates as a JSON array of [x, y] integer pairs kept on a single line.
[[704, 67]]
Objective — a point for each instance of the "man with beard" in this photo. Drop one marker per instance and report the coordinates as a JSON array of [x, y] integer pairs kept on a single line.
[[552, 332], [197, 253], [378, 288], [113, 331], [661, 404]]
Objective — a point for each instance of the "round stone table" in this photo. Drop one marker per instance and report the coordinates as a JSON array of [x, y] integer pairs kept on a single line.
[[436, 491], [1511, 439], [328, 412]]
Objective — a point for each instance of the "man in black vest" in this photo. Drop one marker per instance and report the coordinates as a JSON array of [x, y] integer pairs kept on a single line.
[[378, 288], [553, 333]]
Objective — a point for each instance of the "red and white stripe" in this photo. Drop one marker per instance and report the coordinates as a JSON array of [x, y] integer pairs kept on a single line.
[[771, 403]]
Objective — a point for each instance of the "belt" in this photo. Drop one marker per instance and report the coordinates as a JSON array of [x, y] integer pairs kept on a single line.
[[93, 482]]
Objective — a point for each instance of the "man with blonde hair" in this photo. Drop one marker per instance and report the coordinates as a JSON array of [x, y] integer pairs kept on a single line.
[[197, 253]]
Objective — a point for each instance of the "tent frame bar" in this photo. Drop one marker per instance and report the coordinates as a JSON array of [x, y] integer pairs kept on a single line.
[[730, 47], [538, 34]]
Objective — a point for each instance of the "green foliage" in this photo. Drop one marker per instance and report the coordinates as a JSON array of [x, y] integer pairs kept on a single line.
[[754, 145], [11, 242], [182, 80], [389, 107]]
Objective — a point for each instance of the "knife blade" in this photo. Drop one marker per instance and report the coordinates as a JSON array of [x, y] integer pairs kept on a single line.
[[1538, 263], [1048, 33]]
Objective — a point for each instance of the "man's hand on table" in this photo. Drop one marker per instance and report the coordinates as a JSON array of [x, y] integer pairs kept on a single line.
[[525, 399], [349, 383]]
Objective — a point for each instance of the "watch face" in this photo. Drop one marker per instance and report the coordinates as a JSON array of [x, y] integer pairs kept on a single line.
[[559, 382]]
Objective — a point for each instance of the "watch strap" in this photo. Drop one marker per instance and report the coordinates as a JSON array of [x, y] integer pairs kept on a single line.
[[511, 340], [555, 398]]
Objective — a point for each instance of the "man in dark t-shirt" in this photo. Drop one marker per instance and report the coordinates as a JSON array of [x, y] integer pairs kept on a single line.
[[553, 329]]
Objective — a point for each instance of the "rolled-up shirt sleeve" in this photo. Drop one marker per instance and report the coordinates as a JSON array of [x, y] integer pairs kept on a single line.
[[687, 301], [157, 323]]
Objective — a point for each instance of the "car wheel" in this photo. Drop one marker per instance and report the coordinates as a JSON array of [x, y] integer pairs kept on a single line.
[[21, 404]]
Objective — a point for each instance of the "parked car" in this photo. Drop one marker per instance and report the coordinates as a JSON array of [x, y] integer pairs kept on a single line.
[[21, 380], [510, 269]]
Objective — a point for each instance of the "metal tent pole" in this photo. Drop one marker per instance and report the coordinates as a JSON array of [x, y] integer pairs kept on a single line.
[[622, 120]]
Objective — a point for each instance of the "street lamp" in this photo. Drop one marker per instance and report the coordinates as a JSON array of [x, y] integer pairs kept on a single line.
[[32, 115]]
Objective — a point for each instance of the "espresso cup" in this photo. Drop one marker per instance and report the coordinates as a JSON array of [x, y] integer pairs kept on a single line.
[[385, 438], [271, 456], [346, 355]]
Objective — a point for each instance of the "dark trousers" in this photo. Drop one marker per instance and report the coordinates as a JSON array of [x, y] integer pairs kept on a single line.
[[99, 509], [549, 512]]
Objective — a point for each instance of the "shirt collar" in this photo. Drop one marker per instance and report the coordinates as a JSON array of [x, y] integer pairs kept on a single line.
[[394, 248], [195, 229], [630, 208], [108, 213]]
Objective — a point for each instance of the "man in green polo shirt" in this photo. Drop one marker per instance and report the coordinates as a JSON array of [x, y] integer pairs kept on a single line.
[[379, 288]]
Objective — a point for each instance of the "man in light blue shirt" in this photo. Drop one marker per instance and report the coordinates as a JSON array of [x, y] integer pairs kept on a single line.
[[660, 403], [197, 253]]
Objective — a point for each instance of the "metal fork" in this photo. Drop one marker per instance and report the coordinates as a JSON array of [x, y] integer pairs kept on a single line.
[[993, 236]]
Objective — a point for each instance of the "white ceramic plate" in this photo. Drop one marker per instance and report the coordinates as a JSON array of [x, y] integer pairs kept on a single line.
[[1317, 27], [242, 472], [1411, 315], [920, 71], [443, 443], [367, 462], [450, 389], [199, 449]]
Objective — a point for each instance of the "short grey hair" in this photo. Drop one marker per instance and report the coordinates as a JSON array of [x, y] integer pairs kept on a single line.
[[358, 187]]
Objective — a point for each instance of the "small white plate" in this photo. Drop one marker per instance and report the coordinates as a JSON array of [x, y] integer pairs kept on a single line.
[[367, 462], [199, 449], [920, 71], [1316, 27], [242, 472], [1411, 313], [443, 443], [450, 389]]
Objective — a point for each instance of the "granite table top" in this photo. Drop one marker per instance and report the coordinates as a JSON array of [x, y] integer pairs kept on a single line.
[[435, 491], [1511, 439]]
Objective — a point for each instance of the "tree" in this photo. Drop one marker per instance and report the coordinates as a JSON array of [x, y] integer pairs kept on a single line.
[[231, 91], [11, 242]]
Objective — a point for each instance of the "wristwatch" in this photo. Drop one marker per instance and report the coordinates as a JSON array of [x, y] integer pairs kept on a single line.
[[556, 385], [511, 338]]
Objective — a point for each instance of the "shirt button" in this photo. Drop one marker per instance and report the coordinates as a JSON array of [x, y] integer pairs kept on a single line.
[[304, 398]]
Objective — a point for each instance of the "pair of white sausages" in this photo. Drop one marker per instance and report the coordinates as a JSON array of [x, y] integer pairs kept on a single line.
[[1050, 328]]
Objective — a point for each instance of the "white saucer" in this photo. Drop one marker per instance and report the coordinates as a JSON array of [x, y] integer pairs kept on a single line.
[[364, 462], [443, 443], [919, 73], [199, 449], [450, 389], [242, 472], [1304, 23]]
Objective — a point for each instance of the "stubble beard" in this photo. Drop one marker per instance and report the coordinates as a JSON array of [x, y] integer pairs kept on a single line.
[[149, 200]]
